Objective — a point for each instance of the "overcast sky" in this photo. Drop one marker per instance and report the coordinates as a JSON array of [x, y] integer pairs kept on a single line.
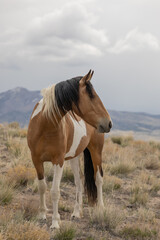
[[46, 41]]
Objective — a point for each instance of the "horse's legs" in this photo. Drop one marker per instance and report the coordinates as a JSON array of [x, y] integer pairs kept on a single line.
[[78, 182], [95, 147], [42, 186], [99, 185], [96, 159], [55, 192]]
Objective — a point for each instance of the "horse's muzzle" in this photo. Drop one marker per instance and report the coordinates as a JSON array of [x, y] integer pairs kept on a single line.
[[104, 127]]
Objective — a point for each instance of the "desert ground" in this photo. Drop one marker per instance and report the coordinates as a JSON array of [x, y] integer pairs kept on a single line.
[[131, 193]]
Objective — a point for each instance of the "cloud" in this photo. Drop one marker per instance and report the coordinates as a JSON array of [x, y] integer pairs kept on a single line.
[[71, 34], [136, 41], [66, 34]]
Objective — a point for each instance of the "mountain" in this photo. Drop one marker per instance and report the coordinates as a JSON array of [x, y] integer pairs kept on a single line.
[[139, 122], [17, 105]]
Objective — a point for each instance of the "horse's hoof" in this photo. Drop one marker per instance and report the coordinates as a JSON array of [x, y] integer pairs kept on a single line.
[[42, 216], [76, 215], [54, 225]]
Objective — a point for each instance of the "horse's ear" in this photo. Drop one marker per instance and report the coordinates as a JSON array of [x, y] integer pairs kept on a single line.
[[87, 77]]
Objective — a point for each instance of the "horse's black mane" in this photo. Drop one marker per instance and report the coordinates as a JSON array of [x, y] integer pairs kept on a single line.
[[67, 93]]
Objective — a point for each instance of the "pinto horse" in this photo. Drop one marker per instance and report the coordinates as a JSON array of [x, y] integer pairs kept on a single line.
[[69, 120]]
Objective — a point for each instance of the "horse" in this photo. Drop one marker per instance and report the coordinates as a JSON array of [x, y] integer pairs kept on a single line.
[[69, 120]]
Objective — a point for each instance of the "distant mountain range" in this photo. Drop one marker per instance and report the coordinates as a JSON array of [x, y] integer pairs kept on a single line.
[[17, 105]]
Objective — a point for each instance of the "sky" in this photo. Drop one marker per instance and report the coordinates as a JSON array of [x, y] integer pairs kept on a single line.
[[44, 42]]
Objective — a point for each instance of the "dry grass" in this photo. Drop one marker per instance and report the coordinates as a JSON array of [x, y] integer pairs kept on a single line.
[[139, 232], [6, 191], [26, 230], [145, 215], [21, 175], [13, 225], [152, 163], [123, 164], [139, 195], [131, 189], [14, 125], [151, 182], [108, 218], [30, 210], [66, 232], [111, 183]]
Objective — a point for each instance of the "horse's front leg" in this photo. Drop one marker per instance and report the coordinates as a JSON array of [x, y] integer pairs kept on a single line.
[[79, 187], [55, 192]]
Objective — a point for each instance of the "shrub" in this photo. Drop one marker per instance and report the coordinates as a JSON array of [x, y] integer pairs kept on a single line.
[[117, 140], [152, 163], [21, 175], [14, 125], [123, 141]]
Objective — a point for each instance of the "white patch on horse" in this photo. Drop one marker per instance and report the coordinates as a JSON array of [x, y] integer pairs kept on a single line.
[[38, 108], [79, 132]]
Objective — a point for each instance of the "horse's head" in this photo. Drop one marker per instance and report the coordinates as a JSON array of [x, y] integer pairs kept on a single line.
[[91, 108]]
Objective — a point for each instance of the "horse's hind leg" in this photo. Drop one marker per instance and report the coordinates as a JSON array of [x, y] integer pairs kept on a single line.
[[95, 147], [42, 187], [55, 192], [75, 165]]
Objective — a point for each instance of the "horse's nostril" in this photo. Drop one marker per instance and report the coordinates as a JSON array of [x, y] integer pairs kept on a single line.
[[110, 124]]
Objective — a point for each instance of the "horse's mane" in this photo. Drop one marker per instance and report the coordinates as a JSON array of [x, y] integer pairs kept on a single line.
[[50, 108], [60, 98]]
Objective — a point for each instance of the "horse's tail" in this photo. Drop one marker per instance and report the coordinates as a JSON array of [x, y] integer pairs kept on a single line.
[[90, 187]]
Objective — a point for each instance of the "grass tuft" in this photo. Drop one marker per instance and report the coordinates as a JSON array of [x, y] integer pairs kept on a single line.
[[67, 232], [107, 219], [139, 196], [6, 191], [30, 210], [138, 233], [111, 183], [122, 167]]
